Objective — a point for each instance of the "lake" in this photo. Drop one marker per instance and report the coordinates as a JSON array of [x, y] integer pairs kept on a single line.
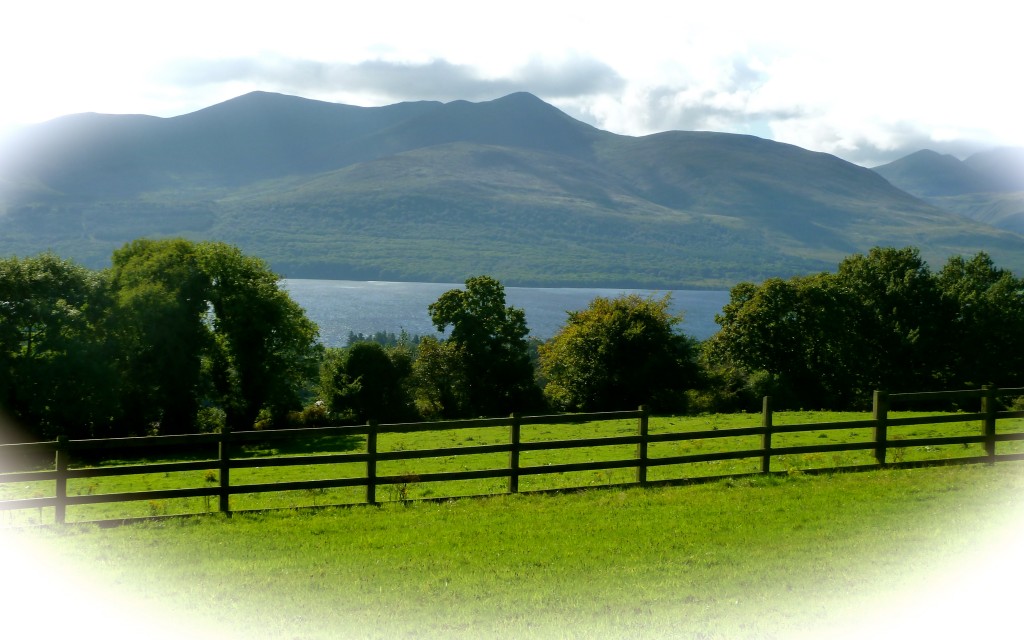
[[341, 306]]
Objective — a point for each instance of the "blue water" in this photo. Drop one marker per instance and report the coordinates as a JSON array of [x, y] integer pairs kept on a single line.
[[341, 306]]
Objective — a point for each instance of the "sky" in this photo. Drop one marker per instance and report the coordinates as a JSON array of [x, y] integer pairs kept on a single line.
[[868, 81]]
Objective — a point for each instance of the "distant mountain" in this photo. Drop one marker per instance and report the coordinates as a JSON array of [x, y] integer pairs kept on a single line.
[[435, 191], [927, 173], [1004, 166], [987, 187], [246, 139]]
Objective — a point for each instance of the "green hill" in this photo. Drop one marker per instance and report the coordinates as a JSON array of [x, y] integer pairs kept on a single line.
[[437, 192]]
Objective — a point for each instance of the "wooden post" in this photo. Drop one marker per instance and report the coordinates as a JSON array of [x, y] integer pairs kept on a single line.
[[61, 489], [988, 425], [513, 455], [766, 437], [880, 414], [224, 450], [371, 462], [643, 429]]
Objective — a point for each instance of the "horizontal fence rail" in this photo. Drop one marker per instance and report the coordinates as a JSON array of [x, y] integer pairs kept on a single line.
[[221, 447]]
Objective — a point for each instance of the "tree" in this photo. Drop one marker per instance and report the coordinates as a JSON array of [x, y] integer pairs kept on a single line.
[[160, 293], [440, 379], [171, 327], [55, 373], [266, 349], [618, 354], [987, 330], [793, 337], [879, 322], [367, 381], [489, 347], [899, 318], [201, 323]]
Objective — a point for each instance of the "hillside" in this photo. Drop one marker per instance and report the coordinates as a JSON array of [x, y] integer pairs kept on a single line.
[[428, 191], [987, 187]]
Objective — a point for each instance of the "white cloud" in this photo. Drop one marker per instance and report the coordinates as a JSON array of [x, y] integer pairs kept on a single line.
[[864, 81], [432, 80]]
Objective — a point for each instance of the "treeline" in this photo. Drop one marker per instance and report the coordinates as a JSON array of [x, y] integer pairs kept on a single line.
[[880, 321], [178, 336], [175, 336]]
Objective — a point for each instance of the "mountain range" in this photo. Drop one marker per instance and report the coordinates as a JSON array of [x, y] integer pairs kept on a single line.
[[987, 186], [513, 188]]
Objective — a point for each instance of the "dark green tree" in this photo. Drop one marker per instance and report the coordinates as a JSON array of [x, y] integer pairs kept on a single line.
[[489, 344], [879, 322], [899, 318], [203, 324], [55, 367], [987, 332], [171, 327], [265, 351], [367, 381], [439, 379], [160, 293], [618, 354], [794, 338]]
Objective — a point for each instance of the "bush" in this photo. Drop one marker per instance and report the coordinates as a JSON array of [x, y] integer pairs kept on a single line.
[[618, 354], [210, 420]]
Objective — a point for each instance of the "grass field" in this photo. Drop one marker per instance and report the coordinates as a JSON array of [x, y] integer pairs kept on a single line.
[[761, 557], [412, 469]]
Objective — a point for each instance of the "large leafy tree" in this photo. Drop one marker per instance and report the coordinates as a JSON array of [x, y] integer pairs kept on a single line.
[[266, 348], [55, 373], [618, 354], [488, 344], [900, 320], [796, 331], [160, 293], [202, 323], [987, 332]]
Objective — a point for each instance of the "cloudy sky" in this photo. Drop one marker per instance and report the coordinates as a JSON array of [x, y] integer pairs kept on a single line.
[[869, 83]]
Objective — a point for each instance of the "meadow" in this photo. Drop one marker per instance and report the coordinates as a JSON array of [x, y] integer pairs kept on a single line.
[[792, 555]]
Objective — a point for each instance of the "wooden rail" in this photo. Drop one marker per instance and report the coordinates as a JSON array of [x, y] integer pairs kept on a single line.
[[226, 443]]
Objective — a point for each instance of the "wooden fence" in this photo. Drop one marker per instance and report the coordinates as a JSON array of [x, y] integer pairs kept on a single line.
[[64, 451]]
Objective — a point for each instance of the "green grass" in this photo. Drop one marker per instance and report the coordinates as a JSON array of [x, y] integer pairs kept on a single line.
[[759, 557], [413, 488]]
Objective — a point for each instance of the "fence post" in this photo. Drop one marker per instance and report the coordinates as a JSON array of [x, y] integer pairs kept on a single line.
[[643, 430], [371, 462], [988, 425], [513, 455], [880, 414], [224, 450], [766, 437], [61, 490]]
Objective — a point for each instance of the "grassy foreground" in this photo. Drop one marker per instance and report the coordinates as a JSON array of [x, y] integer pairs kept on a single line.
[[753, 558]]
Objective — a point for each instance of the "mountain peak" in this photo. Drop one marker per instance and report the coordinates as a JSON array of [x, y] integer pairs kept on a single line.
[[927, 173], [517, 119], [259, 102], [521, 98]]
